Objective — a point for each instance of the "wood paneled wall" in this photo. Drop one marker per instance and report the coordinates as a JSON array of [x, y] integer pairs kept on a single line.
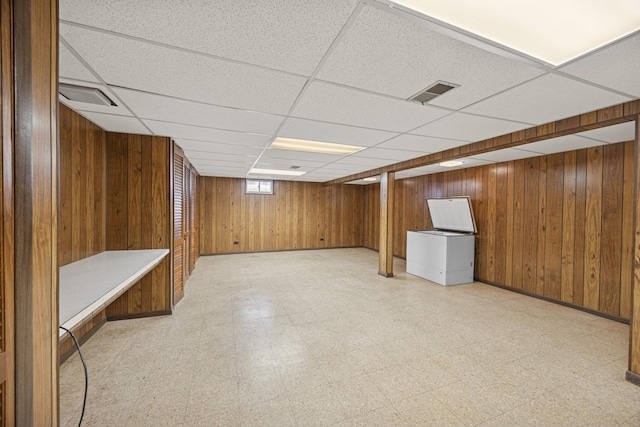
[[559, 226], [139, 215], [35, 120], [7, 254], [82, 226], [300, 215]]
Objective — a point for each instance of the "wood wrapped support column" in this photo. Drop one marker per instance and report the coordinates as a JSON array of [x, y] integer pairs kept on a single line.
[[387, 184], [35, 35], [633, 374]]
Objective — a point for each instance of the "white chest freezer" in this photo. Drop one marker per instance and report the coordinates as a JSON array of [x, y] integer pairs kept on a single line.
[[444, 255]]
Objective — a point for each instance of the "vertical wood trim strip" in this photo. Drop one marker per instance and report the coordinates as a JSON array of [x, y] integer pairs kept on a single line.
[[387, 192], [634, 333]]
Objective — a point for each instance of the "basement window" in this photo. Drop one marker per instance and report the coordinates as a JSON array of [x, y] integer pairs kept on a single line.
[[259, 186]]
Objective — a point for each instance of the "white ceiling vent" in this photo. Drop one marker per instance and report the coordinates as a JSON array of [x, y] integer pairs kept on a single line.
[[432, 91], [89, 95]]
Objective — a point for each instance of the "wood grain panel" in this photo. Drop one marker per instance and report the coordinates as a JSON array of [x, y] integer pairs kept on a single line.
[[35, 44], [387, 200], [139, 216], [7, 236], [634, 335], [556, 226], [82, 223], [611, 249], [593, 228], [292, 218]]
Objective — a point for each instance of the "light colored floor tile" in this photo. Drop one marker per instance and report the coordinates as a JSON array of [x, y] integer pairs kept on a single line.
[[359, 395], [318, 338]]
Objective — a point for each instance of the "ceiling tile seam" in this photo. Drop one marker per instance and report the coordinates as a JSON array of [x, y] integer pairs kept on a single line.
[[194, 101], [461, 110], [599, 49], [459, 34], [178, 48], [592, 84], [102, 81], [311, 78], [203, 127]]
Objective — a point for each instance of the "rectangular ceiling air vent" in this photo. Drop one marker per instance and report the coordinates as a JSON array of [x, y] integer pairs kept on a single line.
[[90, 95], [294, 167], [432, 92]]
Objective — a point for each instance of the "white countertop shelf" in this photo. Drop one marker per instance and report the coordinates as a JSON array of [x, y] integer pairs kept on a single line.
[[88, 286]]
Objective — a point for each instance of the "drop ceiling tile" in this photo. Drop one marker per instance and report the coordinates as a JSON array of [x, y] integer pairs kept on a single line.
[[71, 67], [363, 161], [189, 145], [423, 170], [611, 134], [382, 153], [505, 155], [198, 133], [290, 35], [121, 61], [119, 109], [346, 169], [219, 174], [560, 144], [615, 66], [300, 155], [202, 157], [329, 132], [331, 103], [420, 144], [210, 164], [283, 165], [241, 171], [267, 162], [546, 99], [467, 162], [468, 127], [113, 123], [162, 108], [409, 57]]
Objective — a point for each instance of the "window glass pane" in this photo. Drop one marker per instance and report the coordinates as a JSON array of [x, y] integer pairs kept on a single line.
[[259, 186]]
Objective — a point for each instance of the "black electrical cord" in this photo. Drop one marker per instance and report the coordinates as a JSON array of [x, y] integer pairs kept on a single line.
[[86, 374]]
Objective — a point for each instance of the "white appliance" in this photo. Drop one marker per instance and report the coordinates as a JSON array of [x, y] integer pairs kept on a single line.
[[444, 255]]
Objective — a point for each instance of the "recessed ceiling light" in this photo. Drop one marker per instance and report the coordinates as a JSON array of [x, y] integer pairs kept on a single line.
[[372, 178], [549, 30], [314, 146], [256, 171], [451, 163]]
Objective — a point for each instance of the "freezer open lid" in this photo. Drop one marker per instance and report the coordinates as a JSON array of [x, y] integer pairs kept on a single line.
[[452, 214]]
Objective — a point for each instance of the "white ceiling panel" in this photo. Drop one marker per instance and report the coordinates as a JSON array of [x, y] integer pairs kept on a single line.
[[420, 144], [202, 157], [505, 155], [189, 145], [290, 35], [220, 164], [468, 127], [207, 134], [611, 134], [546, 99], [363, 161], [129, 63], [423, 170], [71, 67], [344, 169], [327, 102], [157, 107], [383, 153], [214, 173], [615, 66], [300, 155], [408, 58], [560, 144], [113, 123], [329, 132], [119, 109]]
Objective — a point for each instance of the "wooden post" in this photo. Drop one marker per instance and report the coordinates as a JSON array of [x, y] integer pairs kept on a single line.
[[35, 35], [633, 374], [387, 184]]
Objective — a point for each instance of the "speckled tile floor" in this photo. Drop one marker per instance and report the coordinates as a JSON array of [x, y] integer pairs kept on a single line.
[[312, 338]]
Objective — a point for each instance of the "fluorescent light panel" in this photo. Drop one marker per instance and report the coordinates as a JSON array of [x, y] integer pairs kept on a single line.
[[451, 163], [314, 146], [373, 178], [256, 171], [549, 30]]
